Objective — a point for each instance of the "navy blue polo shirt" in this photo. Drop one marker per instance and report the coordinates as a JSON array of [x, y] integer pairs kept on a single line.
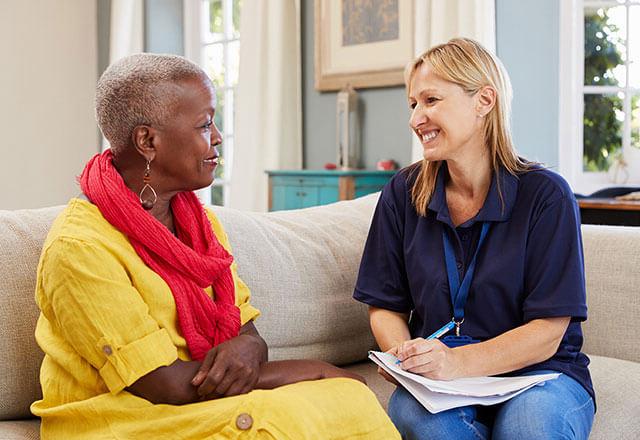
[[530, 265]]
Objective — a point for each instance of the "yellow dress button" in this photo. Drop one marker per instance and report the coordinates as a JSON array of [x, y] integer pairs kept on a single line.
[[106, 349], [244, 421]]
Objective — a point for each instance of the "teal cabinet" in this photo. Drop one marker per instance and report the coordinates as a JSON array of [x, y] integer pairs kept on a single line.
[[295, 189]]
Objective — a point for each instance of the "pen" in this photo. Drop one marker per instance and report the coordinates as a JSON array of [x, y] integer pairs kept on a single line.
[[435, 335]]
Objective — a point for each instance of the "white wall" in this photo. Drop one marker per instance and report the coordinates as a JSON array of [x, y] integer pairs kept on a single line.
[[48, 72]]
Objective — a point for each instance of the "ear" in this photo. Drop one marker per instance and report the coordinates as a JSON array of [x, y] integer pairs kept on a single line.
[[143, 138], [486, 100]]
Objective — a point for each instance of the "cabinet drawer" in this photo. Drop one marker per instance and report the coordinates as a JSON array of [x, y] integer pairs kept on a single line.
[[306, 188], [304, 181], [296, 197]]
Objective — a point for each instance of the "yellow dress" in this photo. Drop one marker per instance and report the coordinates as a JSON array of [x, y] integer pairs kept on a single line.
[[107, 319]]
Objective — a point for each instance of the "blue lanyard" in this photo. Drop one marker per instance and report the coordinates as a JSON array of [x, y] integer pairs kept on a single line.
[[458, 291]]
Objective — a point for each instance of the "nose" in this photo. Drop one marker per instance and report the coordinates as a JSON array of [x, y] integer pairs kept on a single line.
[[417, 118], [216, 136]]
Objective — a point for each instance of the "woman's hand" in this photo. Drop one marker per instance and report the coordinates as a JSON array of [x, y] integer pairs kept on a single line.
[[382, 372], [231, 368], [429, 358]]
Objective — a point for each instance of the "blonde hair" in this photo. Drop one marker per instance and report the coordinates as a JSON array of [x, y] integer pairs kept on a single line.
[[468, 64], [128, 94]]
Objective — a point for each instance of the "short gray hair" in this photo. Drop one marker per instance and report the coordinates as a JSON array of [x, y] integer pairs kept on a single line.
[[127, 94]]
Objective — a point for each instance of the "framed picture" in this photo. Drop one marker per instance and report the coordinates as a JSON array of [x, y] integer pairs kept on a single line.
[[365, 43]]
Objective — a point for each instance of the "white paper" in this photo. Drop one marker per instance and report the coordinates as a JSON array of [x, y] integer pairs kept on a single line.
[[440, 395]]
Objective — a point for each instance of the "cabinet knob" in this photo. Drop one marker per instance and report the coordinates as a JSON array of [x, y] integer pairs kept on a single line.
[[301, 193]]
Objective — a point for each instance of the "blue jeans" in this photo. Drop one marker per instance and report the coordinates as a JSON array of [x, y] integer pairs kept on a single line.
[[558, 409]]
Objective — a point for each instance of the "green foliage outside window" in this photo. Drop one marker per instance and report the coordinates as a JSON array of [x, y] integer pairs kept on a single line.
[[603, 114], [215, 17], [217, 71], [602, 130]]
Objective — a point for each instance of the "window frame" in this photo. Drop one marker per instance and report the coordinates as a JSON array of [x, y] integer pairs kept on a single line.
[[196, 22], [571, 103]]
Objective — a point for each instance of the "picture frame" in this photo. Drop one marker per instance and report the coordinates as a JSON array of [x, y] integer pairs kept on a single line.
[[362, 43]]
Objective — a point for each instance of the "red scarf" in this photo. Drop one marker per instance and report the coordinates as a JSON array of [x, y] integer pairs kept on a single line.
[[188, 265]]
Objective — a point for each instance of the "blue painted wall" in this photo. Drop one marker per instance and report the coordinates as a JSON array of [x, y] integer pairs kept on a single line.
[[163, 26], [104, 13], [528, 37], [385, 115], [527, 42]]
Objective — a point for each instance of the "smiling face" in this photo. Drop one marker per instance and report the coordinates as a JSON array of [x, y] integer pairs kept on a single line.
[[447, 120], [185, 144]]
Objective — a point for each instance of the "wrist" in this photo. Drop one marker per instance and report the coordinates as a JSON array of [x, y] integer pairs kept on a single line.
[[258, 344], [459, 362]]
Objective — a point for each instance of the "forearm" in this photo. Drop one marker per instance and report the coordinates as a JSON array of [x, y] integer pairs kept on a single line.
[[170, 384], [529, 344], [179, 382], [389, 328], [278, 373]]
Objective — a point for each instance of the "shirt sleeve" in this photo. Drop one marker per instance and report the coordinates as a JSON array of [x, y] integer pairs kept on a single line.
[[243, 295], [382, 280], [554, 272], [87, 294]]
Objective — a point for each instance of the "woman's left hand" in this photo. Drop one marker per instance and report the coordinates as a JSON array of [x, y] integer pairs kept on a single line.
[[232, 367], [429, 358]]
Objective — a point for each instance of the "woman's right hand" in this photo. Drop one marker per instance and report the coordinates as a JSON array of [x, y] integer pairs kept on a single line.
[[382, 372]]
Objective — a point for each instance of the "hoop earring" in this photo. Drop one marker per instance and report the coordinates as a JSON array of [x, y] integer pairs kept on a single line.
[[151, 197]]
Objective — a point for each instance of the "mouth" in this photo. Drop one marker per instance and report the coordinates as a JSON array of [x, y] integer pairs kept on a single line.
[[427, 136], [212, 161]]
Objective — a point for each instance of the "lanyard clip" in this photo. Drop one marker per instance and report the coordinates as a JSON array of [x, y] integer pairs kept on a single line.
[[458, 324]]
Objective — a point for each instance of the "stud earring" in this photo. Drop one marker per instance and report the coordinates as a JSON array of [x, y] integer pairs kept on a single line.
[[147, 201]]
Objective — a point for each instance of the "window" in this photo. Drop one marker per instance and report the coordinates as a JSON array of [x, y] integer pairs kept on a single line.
[[600, 93], [212, 39]]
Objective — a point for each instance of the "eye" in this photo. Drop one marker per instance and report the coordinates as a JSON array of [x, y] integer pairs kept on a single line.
[[207, 125], [412, 105], [432, 100]]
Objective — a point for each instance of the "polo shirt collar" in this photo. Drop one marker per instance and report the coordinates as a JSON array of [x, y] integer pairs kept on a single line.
[[493, 210]]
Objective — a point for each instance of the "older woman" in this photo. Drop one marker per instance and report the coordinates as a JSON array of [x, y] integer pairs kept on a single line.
[[485, 245], [147, 329]]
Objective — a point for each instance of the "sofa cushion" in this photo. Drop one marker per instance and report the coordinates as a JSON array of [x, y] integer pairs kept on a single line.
[[617, 386], [22, 234], [20, 430], [612, 264], [301, 267]]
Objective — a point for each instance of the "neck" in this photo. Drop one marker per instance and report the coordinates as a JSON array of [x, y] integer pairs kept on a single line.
[[470, 176], [131, 167]]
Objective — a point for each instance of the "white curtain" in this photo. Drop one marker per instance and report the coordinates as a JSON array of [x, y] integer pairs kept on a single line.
[[437, 21], [126, 33], [268, 104]]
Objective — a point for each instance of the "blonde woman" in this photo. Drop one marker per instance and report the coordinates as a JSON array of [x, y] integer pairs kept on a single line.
[[488, 245]]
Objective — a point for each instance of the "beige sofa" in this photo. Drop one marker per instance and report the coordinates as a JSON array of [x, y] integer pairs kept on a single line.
[[301, 267]]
